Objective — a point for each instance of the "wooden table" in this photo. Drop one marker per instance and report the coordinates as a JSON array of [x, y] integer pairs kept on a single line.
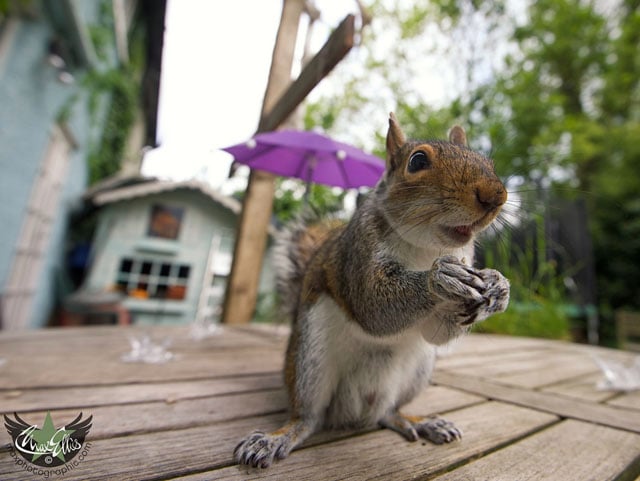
[[529, 410]]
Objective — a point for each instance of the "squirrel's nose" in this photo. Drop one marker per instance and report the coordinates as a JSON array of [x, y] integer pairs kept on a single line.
[[491, 196]]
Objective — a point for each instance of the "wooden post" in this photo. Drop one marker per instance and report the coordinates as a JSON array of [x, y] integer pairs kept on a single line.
[[251, 235], [279, 103], [334, 50]]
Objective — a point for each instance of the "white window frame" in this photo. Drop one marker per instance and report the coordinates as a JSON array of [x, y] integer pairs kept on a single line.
[[131, 281], [33, 242]]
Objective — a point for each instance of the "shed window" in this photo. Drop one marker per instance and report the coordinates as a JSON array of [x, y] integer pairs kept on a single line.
[[165, 221], [152, 279]]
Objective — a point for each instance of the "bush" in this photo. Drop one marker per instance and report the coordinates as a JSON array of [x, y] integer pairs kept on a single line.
[[538, 301], [537, 319]]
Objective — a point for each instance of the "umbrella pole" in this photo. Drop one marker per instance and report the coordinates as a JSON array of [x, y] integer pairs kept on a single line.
[[307, 191]]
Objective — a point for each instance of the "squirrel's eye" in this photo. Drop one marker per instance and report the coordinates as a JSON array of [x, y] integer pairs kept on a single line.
[[418, 161]]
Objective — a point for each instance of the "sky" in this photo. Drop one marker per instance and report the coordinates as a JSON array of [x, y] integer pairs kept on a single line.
[[215, 67]]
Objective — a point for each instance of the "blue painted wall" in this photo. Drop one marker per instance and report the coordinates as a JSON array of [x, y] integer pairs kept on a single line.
[[31, 98]]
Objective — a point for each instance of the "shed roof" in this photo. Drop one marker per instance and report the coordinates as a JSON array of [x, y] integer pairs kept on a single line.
[[161, 186]]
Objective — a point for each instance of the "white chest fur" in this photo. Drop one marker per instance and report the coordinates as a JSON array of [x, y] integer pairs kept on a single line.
[[422, 258], [359, 378]]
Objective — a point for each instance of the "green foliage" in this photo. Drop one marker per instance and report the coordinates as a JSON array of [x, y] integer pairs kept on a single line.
[[267, 308], [115, 87], [560, 110], [538, 318], [101, 32], [15, 7], [120, 85], [105, 157], [572, 100], [289, 200], [538, 297]]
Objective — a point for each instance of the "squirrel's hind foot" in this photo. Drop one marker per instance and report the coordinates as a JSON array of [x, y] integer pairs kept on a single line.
[[439, 431], [259, 449], [434, 429]]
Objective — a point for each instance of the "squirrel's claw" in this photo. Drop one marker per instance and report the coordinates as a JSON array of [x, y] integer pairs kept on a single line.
[[439, 431], [257, 450], [434, 429], [496, 294]]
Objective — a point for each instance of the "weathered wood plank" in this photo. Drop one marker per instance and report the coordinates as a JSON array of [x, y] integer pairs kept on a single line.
[[583, 388], [493, 344], [459, 362], [475, 344], [109, 421], [101, 367], [507, 366], [570, 451], [438, 399], [551, 370], [90, 356], [66, 339], [150, 456], [183, 418], [630, 400], [383, 455], [93, 396], [199, 447], [118, 420], [626, 419]]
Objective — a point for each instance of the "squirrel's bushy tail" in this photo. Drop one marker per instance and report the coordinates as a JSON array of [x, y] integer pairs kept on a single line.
[[295, 247]]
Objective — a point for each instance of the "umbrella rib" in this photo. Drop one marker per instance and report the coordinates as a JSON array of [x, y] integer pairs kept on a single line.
[[257, 154], [301, 174], [343, 169]]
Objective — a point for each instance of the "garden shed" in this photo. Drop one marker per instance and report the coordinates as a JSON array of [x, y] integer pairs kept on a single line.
[[153, 243]]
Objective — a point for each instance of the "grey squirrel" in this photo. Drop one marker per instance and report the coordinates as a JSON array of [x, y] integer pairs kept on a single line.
[[371, 299]]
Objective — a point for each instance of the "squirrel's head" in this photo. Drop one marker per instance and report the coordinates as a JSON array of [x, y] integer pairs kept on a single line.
[[439, 193]]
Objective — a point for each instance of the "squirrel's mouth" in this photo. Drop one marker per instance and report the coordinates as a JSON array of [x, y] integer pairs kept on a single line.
[[460, 234]]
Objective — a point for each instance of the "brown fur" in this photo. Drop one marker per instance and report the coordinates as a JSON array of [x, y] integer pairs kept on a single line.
[[390, 273], [458, 175]]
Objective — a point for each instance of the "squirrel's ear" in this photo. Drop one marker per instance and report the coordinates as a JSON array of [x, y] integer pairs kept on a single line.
[[395, 138], [458, 136]]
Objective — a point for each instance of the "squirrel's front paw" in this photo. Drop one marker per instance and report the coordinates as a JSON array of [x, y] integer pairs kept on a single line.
[[459, 287], [469, 294], [496, 293]]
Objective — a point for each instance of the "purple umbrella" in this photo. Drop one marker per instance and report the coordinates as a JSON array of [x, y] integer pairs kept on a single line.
[[311, 157]]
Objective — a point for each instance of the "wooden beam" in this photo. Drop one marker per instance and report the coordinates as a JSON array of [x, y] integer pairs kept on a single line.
[[333, 51], [251, 235], [251, 240]]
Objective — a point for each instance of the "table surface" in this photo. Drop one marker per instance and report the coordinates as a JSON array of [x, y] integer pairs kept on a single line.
[[529, 409]]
